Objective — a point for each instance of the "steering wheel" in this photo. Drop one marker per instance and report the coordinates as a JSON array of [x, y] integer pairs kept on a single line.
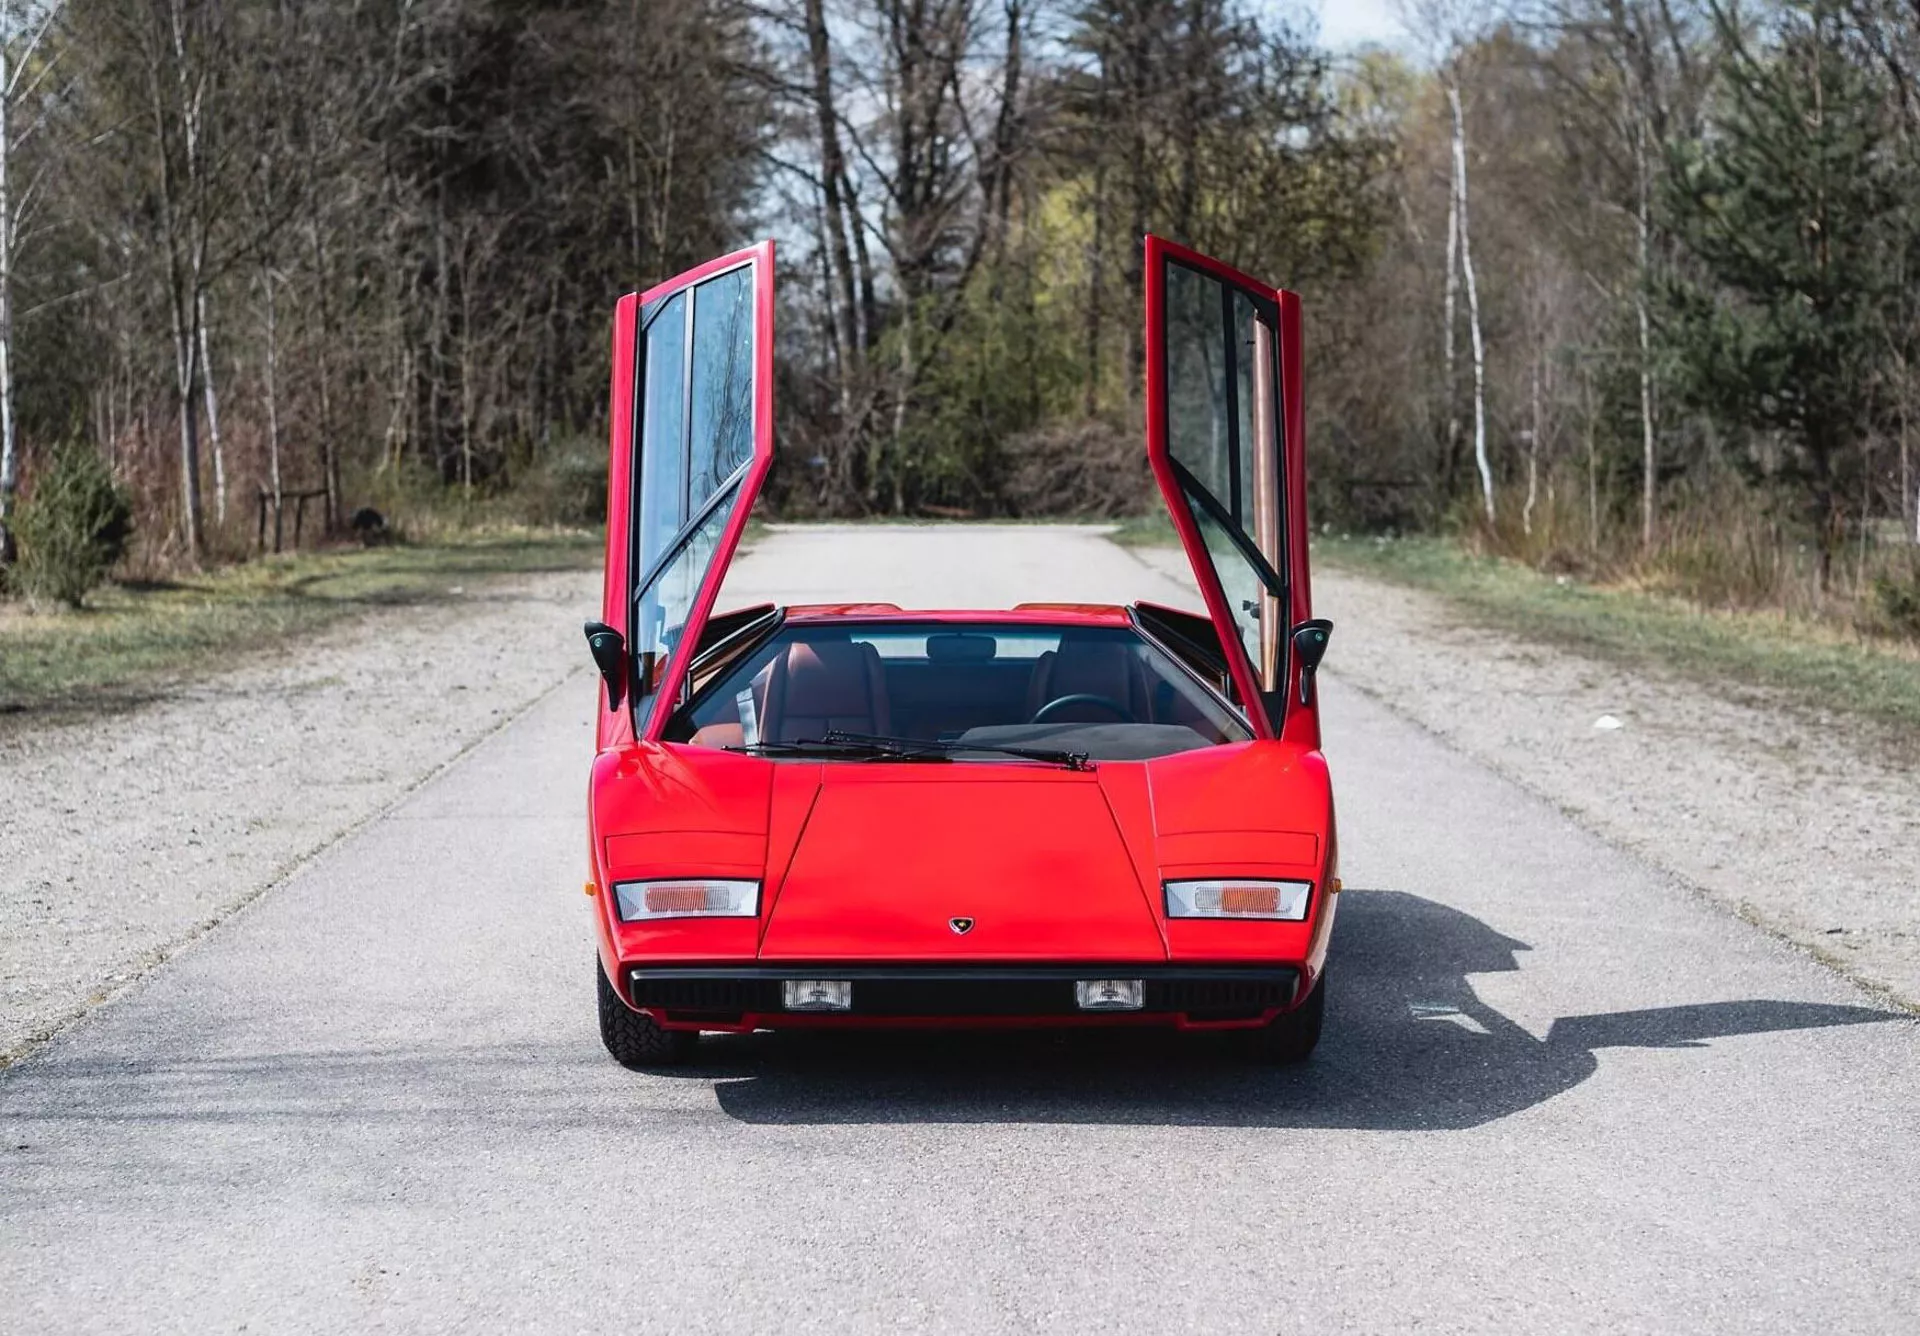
[[1107, 703]]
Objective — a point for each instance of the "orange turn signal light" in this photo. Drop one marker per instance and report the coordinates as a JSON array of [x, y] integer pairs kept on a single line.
[[1249, 899], [676, 899]]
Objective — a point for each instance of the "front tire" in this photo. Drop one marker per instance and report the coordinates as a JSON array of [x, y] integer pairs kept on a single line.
[[1290, 1037], [637, 1041]]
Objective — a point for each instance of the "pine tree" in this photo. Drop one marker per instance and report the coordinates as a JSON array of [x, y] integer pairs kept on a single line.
[[1791, 206]]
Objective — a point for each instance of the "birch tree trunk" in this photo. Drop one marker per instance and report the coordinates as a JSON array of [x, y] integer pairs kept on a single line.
[[1473, 304], [1450, 464], [184, 372], [180, 316], [272, 396], [212, 400], [1909, 494], [183, 232], [13, 67], [1593, 462], [322, 359], [9, 456], [1533, 454], [1643, 255]]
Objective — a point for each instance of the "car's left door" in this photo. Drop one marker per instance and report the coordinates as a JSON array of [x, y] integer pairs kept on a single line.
[[1226, 439], [691, 443]]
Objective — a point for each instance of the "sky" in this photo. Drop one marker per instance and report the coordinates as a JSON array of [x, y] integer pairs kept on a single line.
[[1345, 24]]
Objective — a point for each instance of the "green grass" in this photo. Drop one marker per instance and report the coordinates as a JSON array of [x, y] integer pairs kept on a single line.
[[134, 638], [1155, 530], [1817, 667]]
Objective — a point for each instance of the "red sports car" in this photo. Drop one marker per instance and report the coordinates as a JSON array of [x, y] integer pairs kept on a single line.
[[1054, 815]]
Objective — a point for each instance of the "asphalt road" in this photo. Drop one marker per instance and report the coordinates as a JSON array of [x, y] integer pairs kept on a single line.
[[1558, 1092]]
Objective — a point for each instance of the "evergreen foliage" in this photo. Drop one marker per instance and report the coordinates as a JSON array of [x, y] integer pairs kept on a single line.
[[73, 527], [1796, 210]]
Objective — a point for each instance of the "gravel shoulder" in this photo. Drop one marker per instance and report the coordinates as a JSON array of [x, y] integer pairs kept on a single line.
[[128, 835], [1789, 819]]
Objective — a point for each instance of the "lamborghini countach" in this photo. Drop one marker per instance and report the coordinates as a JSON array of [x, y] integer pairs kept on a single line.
[[1044, 815]]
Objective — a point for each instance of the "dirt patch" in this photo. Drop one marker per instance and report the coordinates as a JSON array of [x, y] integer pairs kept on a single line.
[[1779, 814], [129, 835]]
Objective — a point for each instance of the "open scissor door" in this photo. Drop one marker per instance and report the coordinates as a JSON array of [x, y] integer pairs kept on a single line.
[[1226, 438], [692, 439]]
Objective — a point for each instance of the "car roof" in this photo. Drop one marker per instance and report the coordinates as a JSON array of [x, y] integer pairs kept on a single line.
[[1044, 614]]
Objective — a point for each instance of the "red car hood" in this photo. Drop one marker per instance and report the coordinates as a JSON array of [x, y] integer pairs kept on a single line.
[[893, 864]]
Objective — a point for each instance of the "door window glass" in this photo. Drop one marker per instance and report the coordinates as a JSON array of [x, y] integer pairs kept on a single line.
[[663, 479], [1221, 433], [1241, 322], [722, 400], [660, 613], [1199, 415], [1238, 581]]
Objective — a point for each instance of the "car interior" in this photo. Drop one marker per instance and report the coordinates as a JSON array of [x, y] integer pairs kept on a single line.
[[1107, 692]]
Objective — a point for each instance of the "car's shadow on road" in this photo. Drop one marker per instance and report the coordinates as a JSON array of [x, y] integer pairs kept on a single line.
[[1408, 1046]]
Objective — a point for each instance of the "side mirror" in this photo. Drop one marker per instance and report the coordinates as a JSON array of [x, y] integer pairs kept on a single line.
[[609, 649], [1310, 646]]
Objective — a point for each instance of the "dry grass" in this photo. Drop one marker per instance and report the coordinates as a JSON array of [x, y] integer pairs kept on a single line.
[[1825, 666], [1720, 551], [137, 636]]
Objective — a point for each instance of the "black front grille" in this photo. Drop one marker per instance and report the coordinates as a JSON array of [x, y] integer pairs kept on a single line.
[[708, 995], [1222, 993], [963, 997], [1219, 996]]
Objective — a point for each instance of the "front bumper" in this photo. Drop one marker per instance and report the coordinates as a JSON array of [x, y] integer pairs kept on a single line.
[[735, 997]]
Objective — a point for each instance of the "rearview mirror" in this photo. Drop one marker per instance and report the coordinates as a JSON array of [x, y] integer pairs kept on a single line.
[[1310, 646], [609, 649]]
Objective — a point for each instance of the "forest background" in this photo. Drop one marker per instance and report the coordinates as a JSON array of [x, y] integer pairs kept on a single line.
[[1619, 288]]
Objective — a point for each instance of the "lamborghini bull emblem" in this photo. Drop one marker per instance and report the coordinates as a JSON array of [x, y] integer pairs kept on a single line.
[[963, 926]]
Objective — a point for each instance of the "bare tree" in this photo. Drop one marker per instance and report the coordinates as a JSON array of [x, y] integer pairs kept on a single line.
[[1473, 300], [22, 34]]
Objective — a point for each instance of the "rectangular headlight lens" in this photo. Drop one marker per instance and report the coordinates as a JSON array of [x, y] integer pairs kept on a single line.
[[686, 897], [1239, 898]]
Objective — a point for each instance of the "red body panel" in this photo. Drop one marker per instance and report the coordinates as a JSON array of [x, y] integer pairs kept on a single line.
[[869, 863]]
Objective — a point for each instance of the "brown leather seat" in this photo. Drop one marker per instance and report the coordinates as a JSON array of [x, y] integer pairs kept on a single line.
[[824, 685], [1093, 668]]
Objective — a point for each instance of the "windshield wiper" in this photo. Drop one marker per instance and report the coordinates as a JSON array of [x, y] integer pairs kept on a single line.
[[841, 748], [933, 748]]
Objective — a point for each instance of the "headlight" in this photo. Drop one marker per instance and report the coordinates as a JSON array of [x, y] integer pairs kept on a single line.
[[684, 897], [1239, 898]]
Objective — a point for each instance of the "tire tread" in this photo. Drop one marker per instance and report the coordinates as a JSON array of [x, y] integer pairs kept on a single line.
[[636, 1041]]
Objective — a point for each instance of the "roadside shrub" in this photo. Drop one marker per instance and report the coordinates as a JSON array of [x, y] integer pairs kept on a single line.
[[567, 485], [72, 528], [1896, 599], [1092, 469]]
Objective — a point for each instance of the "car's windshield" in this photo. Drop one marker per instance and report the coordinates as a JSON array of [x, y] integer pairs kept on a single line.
[[1104, 692]]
